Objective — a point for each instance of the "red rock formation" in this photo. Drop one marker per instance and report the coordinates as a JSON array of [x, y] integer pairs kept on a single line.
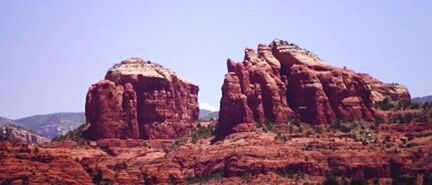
[[283, 81], [392, 91], [16, 134], [141, 99], [253, 91], [257, 157], [30, 165]]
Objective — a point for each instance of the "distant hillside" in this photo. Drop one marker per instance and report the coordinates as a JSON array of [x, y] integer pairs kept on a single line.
[[206, 115], [57, 124], [422, 100], [4, 121], [52, 125]]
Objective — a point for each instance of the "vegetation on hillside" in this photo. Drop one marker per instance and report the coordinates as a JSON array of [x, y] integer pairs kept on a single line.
[[201, 132], [216, 174], [74, 135], [387, 104], [333, 180], [49, 125], [405, 112]]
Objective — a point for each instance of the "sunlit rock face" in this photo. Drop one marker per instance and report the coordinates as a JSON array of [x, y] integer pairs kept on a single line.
[[282, 81], [141, 99]]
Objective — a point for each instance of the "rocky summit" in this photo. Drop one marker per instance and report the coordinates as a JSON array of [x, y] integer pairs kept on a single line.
[[141, 99], [282, 82]]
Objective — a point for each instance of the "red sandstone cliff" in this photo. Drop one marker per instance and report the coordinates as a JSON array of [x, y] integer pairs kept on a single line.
[[282, 81], [140, 99], [242, 158]]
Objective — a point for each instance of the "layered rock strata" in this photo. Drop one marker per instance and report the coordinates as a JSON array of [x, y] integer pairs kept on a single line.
[[282, 81], [242, 158], [140, 99]]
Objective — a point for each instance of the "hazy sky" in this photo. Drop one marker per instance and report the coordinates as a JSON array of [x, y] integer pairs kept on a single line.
[[52, 51]]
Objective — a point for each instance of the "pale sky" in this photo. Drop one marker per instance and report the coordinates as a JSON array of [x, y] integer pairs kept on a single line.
[[51, 51]]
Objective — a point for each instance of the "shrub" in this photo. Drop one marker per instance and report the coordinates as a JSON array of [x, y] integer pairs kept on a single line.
[[308, 147], [403, 119], [359, 181], [99, 180], [427, 106], [318, 130], [384, 105], [294, 126], [403, 179], [179, 142], [387, 139], [410, 145], [269, 126], [427, 179], [202, 133], [415, 106], [247, 177], [218, 174], [358, 131], [294, 122], [331, 180], [282, 138], [344, 127], [291, 175]]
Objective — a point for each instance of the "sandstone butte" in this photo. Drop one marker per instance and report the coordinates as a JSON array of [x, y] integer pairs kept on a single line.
[[141, 99], [282, 82], [140, 106]]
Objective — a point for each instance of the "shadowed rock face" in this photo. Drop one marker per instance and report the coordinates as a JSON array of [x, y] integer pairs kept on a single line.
[[141, 99], [282, 81]]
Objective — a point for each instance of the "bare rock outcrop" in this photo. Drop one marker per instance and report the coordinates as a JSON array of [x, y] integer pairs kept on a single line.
[[282, 81], [241, 158], [140, 99], [19, 135]]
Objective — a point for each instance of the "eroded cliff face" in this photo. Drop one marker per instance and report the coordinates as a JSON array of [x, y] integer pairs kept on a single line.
[[282, 81], [241, 158], [140, 99]]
